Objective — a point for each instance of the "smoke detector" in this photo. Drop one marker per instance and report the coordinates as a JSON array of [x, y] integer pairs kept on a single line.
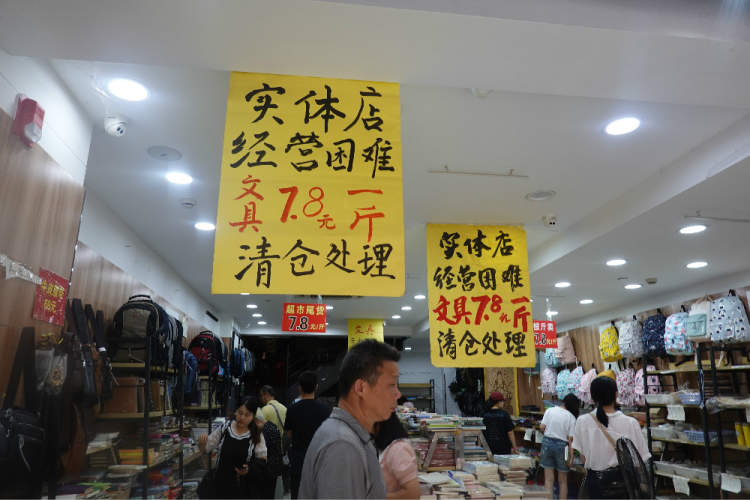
[[116, 126], [188, 202], [550, 221]]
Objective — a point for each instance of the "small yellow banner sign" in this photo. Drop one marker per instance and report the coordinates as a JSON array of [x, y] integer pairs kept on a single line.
[[310, 199], [362, 329], [479, 296]]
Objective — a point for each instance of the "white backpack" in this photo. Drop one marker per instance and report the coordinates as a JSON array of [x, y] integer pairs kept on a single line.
[[631, 339]]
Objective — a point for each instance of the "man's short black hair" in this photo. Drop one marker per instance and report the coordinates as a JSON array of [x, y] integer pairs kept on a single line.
[[267, 389], [308, 381], [364, 361]]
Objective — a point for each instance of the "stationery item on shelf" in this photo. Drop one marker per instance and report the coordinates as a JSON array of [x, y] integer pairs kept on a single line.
[[630, 339], [609, 347], [688, 397], [676, 412], [675, 335], [666, 398], [739, 434]]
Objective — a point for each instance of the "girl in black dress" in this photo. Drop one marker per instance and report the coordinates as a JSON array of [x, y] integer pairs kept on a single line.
[[238, 442]]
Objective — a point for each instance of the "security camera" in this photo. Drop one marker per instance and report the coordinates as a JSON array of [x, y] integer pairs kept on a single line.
[[550, 221], [116, 126]]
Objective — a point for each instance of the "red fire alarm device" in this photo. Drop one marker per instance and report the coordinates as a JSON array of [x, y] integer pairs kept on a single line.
[[28, 122]]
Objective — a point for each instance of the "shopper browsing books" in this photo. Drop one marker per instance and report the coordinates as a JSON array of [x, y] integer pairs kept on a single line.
[[397, 459], [594, 438], [499, 426], [341, 461], [238, 442], [558, 426]]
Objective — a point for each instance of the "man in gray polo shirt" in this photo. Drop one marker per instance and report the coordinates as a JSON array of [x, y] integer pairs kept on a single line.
[[341, 461]]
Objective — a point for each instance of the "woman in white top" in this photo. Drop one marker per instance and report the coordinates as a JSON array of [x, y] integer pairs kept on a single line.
[[603, 476], [558, 425]]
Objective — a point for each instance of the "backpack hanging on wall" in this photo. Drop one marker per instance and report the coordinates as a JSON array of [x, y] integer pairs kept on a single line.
[[138, 321], [728, 321], [565, 350], [675, 334], [630, 339], [549, 380], [653, 335], [609, 347], [584, 389], [551, 358], [626, 395], [208, 351], [696, 326], [574, 380], [562, 388]]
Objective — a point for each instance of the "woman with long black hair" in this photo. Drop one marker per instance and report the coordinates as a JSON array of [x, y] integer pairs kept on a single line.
[[594, 438], [237, 442], [558, 425]]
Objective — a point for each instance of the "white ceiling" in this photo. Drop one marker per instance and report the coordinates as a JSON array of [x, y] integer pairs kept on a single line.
[[556, 84]]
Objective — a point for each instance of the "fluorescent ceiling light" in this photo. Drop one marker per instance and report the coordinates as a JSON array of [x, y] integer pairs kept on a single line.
[[396, 316], [697, 264], [127, 90], [694, 229], [406, 308], [623, 126], [616, 262], [407, 348], [419, 297], [251, 306], [262, 323], [204, 226], [179, 178], [585, 301], [257, 315], [562, 284], [329, 308], [552, 313], [244, 293], [632, 286]]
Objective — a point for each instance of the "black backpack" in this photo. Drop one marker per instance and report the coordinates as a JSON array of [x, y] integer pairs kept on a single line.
[[138, 321], [209, 350]]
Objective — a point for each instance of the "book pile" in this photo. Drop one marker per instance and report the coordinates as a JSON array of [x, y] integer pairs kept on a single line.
[[514, 461], [483, 471], [505, 490], [134, 456], [517, 476], [444, 455], [534, 492], [441, 424], [472, 423], [473, 451]]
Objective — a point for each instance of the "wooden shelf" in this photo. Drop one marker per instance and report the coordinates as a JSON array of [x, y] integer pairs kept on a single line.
[[732, 368], [680, 441], [141, 366], [733, 446], [440, 469], [694, 481], [132, 416], [662, 405]]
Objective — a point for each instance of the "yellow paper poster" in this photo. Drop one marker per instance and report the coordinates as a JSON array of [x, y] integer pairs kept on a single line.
[[479, 296], [361, 329], [310, 199]]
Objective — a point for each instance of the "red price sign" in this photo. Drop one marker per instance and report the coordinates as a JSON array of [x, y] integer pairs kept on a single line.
[[49, 300], [545, 334], [304, 317]]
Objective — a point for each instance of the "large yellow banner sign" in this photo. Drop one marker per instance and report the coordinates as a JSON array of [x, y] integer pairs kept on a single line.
[[311, 199], [480, 307], [362, 329]]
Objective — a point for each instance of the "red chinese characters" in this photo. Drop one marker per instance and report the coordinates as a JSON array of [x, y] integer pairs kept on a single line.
[[545, 334], [304, 318]]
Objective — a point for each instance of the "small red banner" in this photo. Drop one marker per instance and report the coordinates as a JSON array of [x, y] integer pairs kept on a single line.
[[545, 334], [49, 300], [304, 317]]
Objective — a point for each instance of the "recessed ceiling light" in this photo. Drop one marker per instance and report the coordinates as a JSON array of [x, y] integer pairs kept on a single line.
[[257, 315], [623, 126], [562, 284], [251, 306], [262, 323], [326, 323], [406, 308], [697, 264], [329, 308], [616, 262], [419, 297], [395, 316], [204, 226], [127, 90], [585, 301], [244, 293], [532, 300], [407, 348], [179, 178], [632, 286], [541, 195], [693, 229], [552, 313], [163, 153]]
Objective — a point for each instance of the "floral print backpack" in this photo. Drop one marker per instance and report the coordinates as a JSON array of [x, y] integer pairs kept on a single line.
[[675, 334]]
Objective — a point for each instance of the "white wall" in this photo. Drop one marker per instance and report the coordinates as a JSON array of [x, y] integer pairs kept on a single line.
[[107, 234], [415, 367], [66, 134]]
